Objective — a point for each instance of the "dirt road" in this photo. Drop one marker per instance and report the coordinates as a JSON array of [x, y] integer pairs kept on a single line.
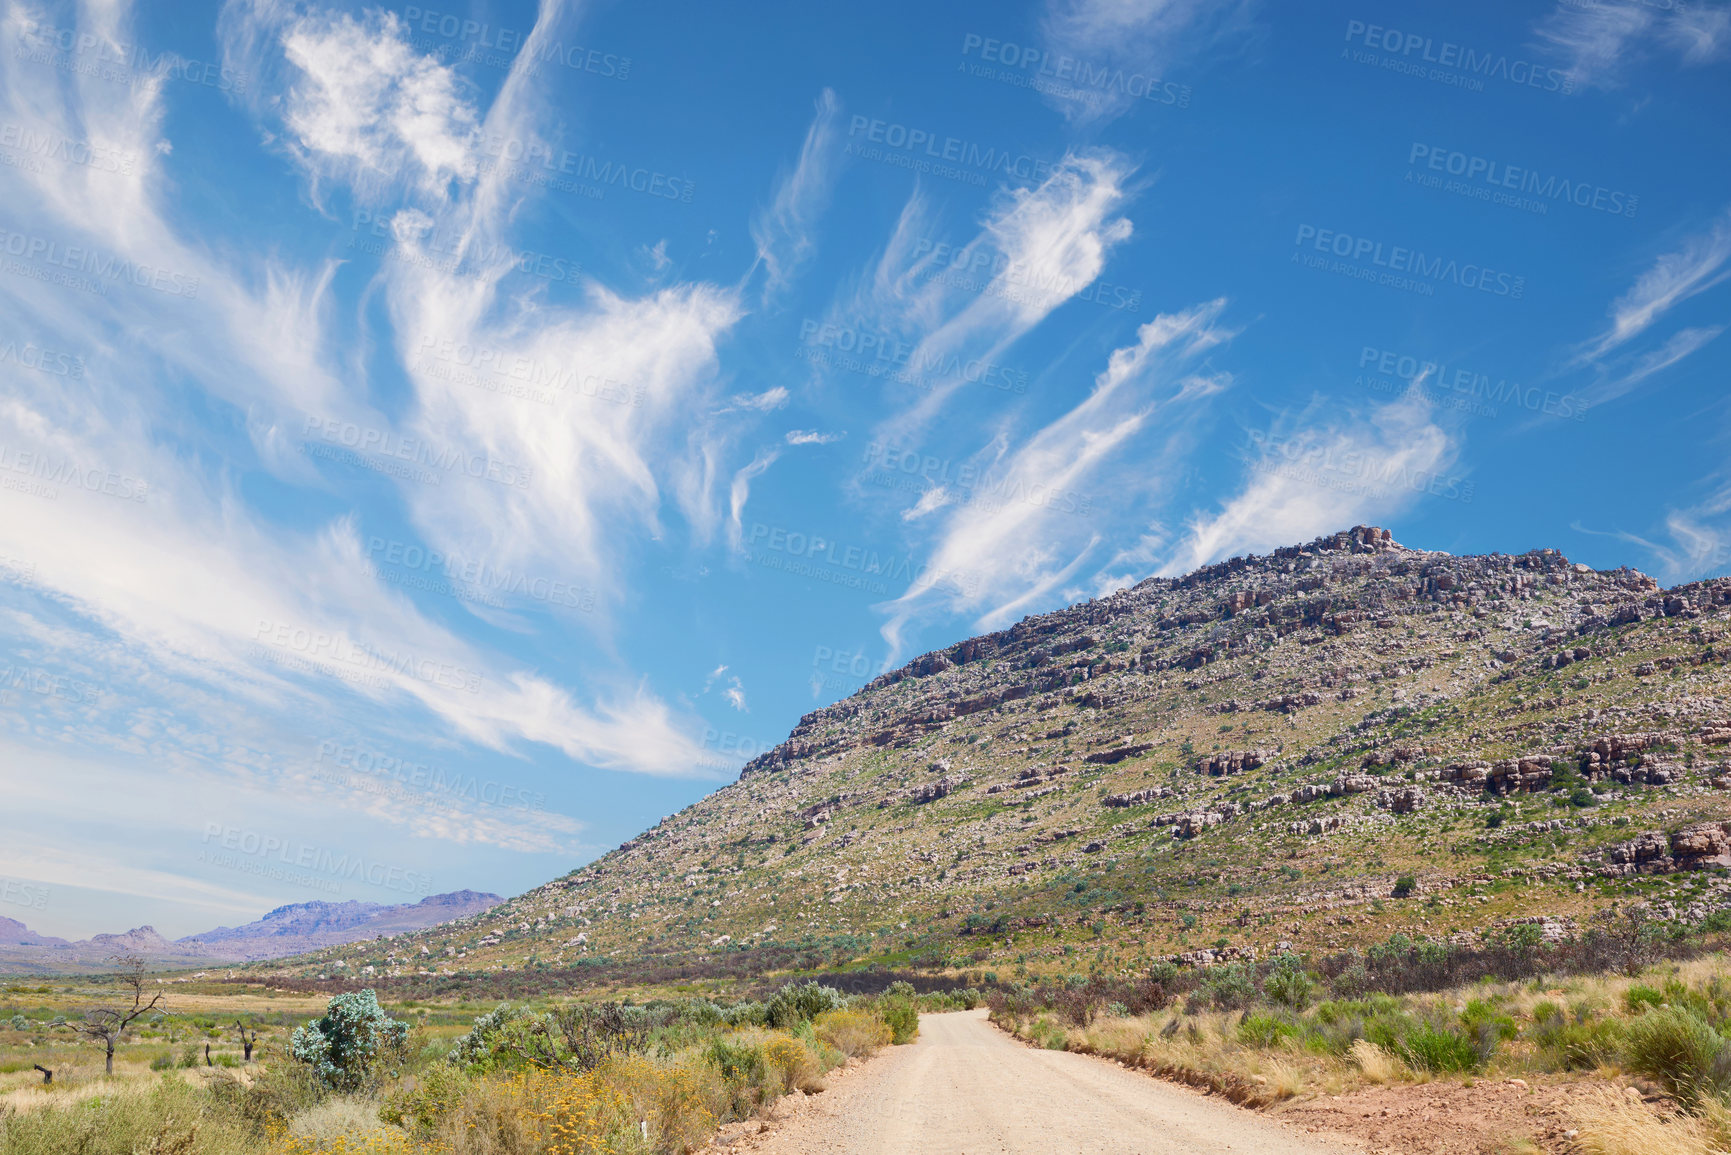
[[965, 1088]]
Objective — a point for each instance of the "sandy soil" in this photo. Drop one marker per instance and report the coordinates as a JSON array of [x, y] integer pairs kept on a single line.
[[967, 1088]]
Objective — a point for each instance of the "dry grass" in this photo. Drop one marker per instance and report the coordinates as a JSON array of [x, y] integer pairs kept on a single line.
[[1376, 1064], [338, 1116], [1615, 1123], [856, 1034]]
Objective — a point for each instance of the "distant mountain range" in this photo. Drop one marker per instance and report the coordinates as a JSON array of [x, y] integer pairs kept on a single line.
[[287, 930]]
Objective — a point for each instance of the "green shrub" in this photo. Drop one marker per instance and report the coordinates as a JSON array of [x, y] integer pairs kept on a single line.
[[1578, 1045], [901, 1016], [738, 1062], [1264, 1030], [342, 1046], [1405, 885], [1487, 1025], [1639, 996], [1681, 1051], [1431, 1049], [1288, 984], [803, 1002], [1228, 987]]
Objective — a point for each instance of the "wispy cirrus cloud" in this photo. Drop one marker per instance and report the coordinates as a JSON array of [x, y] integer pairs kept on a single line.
[[1046, 244], [1692, 542], [1136, 36], [740, 492], [1318, 476], [784, 231], [210, 581], [1694, 267], [1700, 263], [997, 557], [1600, 39]]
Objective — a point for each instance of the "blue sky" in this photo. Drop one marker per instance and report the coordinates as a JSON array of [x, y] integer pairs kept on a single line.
[[438, 441]]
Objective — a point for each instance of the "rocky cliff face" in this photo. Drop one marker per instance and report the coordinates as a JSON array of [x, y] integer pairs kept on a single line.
[[1220, 761]]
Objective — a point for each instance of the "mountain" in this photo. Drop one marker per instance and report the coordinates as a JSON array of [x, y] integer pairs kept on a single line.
[[15, 933], [1268, 750], [287, 930], [305, 926]]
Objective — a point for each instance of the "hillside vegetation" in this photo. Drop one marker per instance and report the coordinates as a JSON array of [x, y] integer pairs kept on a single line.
[[1313, 750]]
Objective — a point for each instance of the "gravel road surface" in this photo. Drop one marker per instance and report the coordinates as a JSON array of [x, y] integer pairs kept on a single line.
[[966, 1088]]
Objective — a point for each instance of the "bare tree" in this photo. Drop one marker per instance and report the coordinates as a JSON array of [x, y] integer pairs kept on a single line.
[[246, 1040], [106, 1024]]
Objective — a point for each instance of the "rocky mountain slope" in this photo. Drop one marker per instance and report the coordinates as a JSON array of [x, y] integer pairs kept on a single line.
[[1322, 747], [287, 930]]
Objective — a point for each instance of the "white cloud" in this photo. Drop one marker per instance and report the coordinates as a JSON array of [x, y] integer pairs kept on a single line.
[[1599, 39], [733, 693], [1048, 243], [766, 402], [1636, 370], [1696, 541], [1020, 535], [930, 501], [740, 492], [202, 568], [783, 231], [1134, 36], [812, 437], [1698, 265], [1321, 478], [369, 106]]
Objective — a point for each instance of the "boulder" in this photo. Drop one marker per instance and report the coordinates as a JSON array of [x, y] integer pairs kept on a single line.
[[1231, 762]]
